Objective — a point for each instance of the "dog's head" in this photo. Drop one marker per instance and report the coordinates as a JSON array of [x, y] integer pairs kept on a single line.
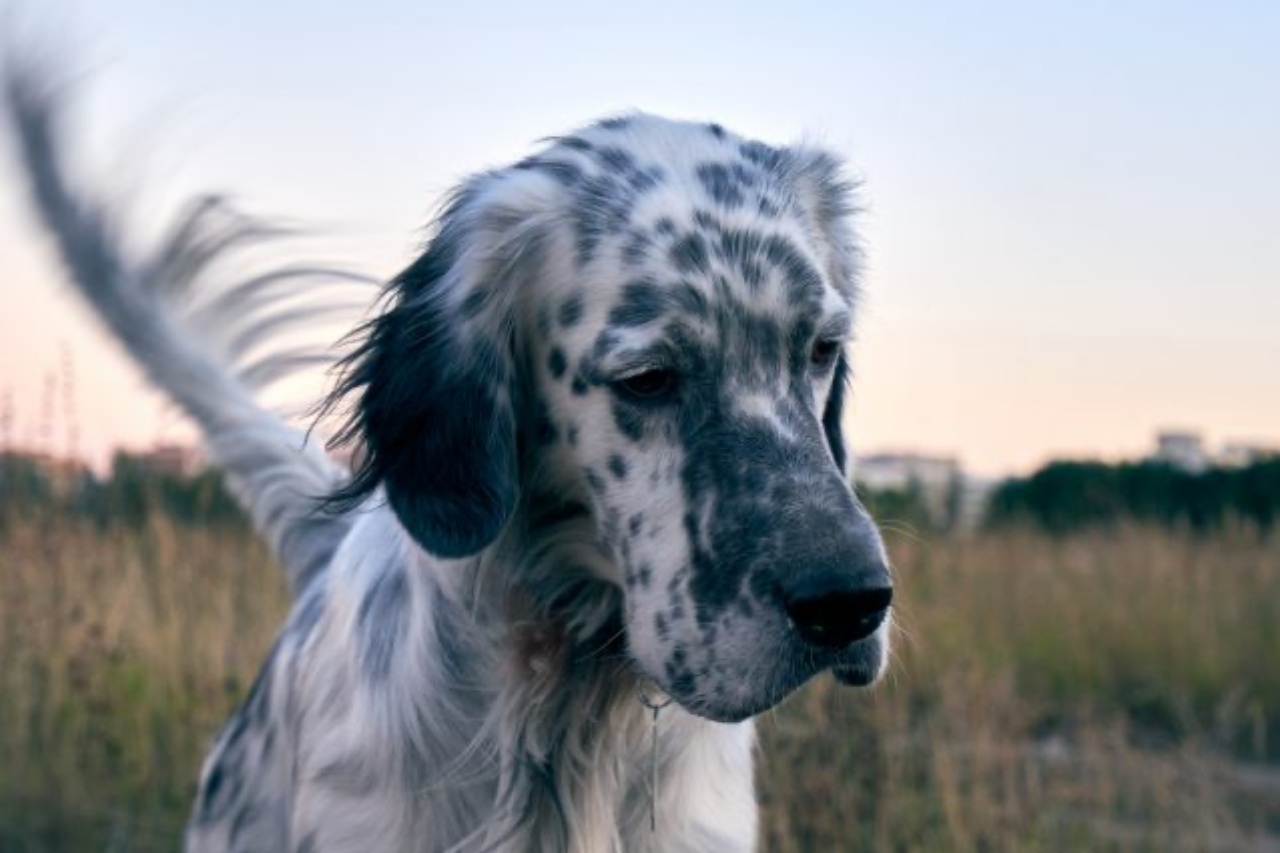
[[645, 323]]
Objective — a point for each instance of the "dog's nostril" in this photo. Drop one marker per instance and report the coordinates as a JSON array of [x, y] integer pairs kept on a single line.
[[834, 616]]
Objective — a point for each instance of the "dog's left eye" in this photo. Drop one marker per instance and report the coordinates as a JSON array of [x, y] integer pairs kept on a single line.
[[648, 385], [824, 353]]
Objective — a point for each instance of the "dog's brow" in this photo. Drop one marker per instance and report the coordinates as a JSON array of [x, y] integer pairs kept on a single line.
[[618, 358], [837, 325]]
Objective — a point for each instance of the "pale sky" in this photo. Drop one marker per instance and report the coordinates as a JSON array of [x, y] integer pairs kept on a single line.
[[1073, 210]]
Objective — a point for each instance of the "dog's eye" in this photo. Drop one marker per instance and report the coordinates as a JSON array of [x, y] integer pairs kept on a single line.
[[824, 353], [647, 385]]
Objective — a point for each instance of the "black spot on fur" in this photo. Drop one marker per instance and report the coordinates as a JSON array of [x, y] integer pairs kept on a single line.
[[571, 311], [579, 385], [556, 362], [576, 143], [603, 207], [643, 301], [706, 221], [721, 184], [615, 123], [761, 155], [618, 466], [679, 675], [769, 208], [615, 159], [210, 795], [665, 227], [716, 130], [690, 254], [636, 248], [642, 180], [629, 421], [224, 783], [689, 300], [595, 481], [566, 173], [804, 280], [544, 429]]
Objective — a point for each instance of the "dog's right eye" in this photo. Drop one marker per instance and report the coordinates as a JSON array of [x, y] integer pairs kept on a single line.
[[649, 385]]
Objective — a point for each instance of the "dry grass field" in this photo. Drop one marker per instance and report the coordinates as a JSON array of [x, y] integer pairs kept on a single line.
[[1102, 691]]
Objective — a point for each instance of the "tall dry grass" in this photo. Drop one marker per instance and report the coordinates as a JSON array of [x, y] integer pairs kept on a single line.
[[1101, 691], [120, 656]]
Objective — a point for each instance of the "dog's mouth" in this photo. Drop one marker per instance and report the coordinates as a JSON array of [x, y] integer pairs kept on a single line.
[[735, 699], [856, 676]]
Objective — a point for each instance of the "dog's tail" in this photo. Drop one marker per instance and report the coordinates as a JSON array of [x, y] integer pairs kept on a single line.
[[200, 340]]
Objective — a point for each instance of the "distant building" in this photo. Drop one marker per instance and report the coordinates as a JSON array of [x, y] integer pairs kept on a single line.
[[1186, 451], [1241, 454], [901, 471], [935, 479], [974, 498], [1183, 450]]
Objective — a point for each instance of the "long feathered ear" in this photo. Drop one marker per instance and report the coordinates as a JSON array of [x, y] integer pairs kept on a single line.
[[433, 375], [828, 198]]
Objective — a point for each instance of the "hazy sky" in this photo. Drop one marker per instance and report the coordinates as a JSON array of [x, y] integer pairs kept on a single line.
[[1073, 209]]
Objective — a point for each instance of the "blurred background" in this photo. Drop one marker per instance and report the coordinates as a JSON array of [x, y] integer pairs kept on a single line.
[[1066, 405]]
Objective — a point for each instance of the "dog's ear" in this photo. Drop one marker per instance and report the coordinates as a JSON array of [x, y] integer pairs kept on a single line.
[[433, 376], [827, 196], [833, 414]]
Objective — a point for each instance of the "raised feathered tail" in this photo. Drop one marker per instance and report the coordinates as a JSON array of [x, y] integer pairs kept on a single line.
[[198, 336]]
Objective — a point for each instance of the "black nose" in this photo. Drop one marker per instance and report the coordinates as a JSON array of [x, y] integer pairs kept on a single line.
[[835, 611]]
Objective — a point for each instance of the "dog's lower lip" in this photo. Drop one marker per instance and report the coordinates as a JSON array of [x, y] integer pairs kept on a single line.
[[854, 676]]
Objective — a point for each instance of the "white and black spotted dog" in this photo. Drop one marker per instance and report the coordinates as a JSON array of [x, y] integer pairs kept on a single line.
[[601, 459]]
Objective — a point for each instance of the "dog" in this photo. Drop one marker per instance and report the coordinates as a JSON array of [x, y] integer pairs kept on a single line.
[[600, 515]]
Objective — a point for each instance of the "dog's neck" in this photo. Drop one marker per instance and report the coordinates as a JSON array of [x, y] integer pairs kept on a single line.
[[529, 733], [564, 726], [572, 731], [572, 749]]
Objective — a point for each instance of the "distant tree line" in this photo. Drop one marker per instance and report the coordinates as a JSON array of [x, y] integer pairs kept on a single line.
[[1066, 496], [1061, 497], [132, 492]]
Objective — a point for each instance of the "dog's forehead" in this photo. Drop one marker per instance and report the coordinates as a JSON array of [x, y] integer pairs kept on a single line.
[[677, 218]]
